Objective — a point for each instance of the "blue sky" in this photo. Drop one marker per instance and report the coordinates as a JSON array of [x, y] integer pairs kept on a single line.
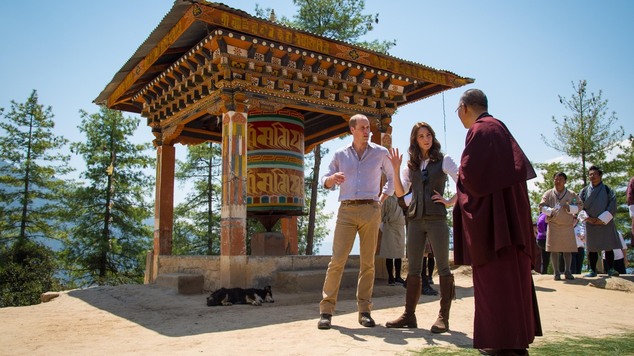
[[522, 54]]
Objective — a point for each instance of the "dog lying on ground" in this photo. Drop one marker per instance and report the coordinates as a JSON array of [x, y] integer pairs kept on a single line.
[[230, 296]]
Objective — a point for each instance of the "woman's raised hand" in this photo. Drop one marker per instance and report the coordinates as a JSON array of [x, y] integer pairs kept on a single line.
[[395, 158]]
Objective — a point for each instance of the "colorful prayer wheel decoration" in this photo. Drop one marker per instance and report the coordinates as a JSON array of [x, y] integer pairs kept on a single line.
[[275, 163]]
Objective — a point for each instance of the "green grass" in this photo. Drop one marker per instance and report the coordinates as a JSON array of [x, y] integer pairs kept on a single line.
[[616, 345]]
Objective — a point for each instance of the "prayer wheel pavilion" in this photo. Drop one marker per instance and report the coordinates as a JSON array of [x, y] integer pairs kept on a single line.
[[268, 94]]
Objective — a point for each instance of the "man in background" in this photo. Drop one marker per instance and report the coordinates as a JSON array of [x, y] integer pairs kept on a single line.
[[630, 201], [599, 208]]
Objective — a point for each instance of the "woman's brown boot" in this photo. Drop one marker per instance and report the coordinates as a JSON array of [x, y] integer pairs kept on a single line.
[[408, 319], [447, 293]]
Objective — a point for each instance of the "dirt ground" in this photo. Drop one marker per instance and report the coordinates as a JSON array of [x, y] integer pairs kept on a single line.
[[146, 319]]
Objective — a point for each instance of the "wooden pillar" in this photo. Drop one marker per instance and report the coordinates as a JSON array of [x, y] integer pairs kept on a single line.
[[289, 229], [163, 205], [233, 215]]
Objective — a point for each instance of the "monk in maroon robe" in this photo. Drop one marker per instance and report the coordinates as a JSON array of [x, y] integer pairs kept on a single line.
[[493, 231]]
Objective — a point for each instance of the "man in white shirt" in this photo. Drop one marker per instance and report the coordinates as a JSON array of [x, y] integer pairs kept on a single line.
[[356, 169]]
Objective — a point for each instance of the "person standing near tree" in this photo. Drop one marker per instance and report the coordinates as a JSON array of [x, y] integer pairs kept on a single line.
[[357, 169], [559, 204], [428, 271], [492, 231], [542, 227], [392, 239], [599, 207], [630, 201], [577, 258], [620, 257]]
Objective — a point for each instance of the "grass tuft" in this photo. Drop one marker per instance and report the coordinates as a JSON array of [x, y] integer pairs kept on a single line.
[[613, 346]]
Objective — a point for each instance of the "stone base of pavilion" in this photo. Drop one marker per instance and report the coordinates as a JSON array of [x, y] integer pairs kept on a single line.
[[286, 274]]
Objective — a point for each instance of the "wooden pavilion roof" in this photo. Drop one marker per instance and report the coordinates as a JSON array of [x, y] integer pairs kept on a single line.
[[203, 57]]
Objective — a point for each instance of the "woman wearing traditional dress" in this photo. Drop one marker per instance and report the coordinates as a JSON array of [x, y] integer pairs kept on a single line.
[[560, 206]]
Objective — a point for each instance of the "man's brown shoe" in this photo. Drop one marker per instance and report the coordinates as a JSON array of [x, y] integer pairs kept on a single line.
[[366, 320], [324, 321]]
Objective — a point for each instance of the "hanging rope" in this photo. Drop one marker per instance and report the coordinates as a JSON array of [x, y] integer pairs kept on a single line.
[[444, 118], [444, 129]]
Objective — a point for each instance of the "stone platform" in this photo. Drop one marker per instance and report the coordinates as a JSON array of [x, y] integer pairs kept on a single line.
[[183, 283]]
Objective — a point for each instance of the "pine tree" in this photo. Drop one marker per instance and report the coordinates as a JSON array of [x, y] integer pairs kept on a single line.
[[109, 236], [196, 227], [588, 132], [31, 172]]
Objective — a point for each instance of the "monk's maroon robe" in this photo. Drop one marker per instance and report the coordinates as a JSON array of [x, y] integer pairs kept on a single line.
[[493, 232]]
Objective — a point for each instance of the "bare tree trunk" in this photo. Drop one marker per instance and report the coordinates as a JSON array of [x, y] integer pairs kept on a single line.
[[310, 234], [584, 146], [27, 179], [582, 169], [103, 248], [105, 243], [210, 240]]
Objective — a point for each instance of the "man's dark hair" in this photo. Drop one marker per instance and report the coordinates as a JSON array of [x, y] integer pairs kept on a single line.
[[560, 174], [476, 99], [597, 169]]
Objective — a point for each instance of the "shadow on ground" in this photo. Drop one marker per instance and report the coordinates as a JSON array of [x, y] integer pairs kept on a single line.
[[405, 336], [624, 283], [166, 312]]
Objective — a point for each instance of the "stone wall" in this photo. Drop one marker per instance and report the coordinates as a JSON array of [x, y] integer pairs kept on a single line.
[[260, 271]]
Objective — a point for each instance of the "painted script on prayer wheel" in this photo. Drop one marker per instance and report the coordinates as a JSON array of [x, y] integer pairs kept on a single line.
[[275, 163]]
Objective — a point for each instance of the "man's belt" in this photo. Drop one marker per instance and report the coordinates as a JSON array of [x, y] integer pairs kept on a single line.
[[359, 202]]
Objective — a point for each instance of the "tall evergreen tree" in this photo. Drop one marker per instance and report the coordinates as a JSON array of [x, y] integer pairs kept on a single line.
[[109, 236], [312, 229], [342, 20], [588, 132], [196, 227], [31, 171]]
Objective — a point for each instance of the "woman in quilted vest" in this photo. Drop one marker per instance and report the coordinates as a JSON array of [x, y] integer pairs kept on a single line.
[[426, 176]]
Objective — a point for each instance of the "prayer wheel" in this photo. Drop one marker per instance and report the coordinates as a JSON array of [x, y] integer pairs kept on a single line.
[[275, 164]]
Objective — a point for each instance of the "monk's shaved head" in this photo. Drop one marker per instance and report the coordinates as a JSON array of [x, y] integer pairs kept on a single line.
[[475, 99]]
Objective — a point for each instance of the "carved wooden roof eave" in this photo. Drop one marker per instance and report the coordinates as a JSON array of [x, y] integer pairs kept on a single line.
[[242, 68], [198, 100], [184, 8]]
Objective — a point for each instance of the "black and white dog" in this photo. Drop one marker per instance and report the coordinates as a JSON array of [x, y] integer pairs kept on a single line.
[[230, 296]]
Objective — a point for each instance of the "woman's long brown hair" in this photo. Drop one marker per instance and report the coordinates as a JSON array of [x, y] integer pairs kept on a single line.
[[415, 154]]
